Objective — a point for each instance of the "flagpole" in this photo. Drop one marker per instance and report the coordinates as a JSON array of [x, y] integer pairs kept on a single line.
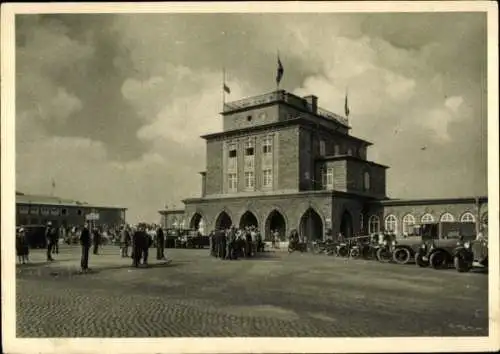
[[277, 82], [223, 88]]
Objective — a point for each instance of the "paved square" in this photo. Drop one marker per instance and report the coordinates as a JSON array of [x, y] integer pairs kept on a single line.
[[276, 295]]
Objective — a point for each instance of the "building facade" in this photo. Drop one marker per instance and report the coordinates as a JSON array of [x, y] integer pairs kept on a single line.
[[38, 210], [281, 162]]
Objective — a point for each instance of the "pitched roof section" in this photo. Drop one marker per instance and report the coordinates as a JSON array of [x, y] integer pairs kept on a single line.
[[53, 200]]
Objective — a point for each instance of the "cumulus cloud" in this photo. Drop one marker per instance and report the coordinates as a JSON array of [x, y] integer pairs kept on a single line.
[[112, 106]]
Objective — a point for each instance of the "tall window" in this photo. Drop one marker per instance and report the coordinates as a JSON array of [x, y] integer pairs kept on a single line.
[[267, 177], [349, 151], [447, 217], [391, 224], [336, 149], [249, 155], [366, 180], [322, 148], [232, 182], [373, 224], [267, 146], [249, 180], [232, 157], [408, 221], [467, 217], [323, 178], [328, 179], [427, 219]]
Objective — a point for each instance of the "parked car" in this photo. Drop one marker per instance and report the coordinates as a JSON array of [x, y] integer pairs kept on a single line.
[[445, 241], [470, 254]]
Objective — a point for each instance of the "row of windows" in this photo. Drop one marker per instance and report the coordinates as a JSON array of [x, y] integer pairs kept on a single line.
[[25, 210], [336, 150], [327, 179], [267, 147], [391, 221], [267, 180]]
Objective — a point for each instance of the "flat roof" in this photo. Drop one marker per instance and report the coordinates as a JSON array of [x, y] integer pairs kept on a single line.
[[350, 157], [284, 123], [57, 201], [424, 201]]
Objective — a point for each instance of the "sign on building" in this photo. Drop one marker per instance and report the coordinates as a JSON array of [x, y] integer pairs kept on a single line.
[[54, 211], [45, 211], [92, 216], [34, 210], [24, 210]]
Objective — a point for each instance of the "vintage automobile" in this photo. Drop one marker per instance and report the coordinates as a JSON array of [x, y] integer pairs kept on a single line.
[[443, 242], [384, 250], [405, 249], [471, 253]]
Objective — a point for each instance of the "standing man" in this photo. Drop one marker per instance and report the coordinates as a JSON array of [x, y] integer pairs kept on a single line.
[[160, 244], [97, 239], [124, 240], [50, 237], [136, 246], [85, 242]]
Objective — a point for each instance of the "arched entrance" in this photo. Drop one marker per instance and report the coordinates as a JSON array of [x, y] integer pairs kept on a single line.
[[346, 224], [195, 221], [311, 225], [275, 221], [248, 219], [223, 221]]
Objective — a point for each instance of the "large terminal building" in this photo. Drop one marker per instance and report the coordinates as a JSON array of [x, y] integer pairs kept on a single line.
[[282, 163]]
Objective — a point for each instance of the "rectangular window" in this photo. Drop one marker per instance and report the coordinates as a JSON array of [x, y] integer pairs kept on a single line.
[[232, 182], [249, 180], [322, 148], [329, 178], [232, 157], [336, 150], [267, 178], [323, 178], [267, 146], [249, 148]]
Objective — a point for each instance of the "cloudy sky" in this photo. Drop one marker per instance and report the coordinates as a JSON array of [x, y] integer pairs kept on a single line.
[[112, 106]]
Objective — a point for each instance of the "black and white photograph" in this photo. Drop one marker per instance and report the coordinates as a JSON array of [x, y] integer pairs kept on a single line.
[[258, 176]]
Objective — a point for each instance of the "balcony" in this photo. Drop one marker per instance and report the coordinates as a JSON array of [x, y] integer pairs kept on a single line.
[[283, 96]]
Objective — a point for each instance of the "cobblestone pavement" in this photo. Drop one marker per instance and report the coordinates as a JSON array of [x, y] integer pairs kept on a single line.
[[276, 295]]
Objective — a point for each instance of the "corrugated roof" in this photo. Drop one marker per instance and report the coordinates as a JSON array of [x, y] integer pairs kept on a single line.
[[53, 200]]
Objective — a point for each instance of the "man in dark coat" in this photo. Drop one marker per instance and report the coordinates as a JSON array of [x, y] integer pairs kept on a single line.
[[50, 235], [160, 244], [85, 242], [147, 241], [222, 244], [137, 242], [230, 243], [97, 239]]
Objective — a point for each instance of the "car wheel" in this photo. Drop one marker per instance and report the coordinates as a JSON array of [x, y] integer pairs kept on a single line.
[[383, 255], [461, 264], [438, 260], [343, 251], [419, 261], [401, 255], [355, 253]]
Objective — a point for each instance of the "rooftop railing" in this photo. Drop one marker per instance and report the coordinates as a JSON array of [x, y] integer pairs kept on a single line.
[[282, 96]]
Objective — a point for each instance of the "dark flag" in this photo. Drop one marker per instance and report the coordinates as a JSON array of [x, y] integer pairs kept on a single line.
[[279, 74], [226, 88], [346, 106]]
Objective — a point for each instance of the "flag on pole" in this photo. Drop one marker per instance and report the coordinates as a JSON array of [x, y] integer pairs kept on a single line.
[[346, 106], [280, 72], [226, 88]]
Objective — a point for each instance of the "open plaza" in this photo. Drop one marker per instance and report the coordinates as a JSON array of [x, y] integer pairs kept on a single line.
[[274, 294]]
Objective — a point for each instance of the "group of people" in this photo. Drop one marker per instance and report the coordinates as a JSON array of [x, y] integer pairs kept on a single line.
[[232, 243], [140, 239]]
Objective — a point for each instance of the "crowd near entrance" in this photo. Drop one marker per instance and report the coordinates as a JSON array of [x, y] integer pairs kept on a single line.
[[311, 226], [275, 222], [248, 219]]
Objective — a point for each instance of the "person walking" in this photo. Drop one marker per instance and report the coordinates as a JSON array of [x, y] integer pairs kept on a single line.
[[22, 247], [160, 244], [85, 242], [50, 237], [97, 239], [136, 247]]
